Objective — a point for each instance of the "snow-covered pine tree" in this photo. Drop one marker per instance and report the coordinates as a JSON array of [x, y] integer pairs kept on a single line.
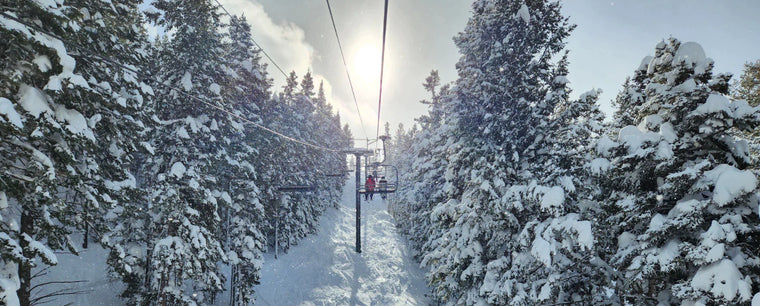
[[67, 151], [552, 258], [36, 155], [190, 157], [293, 112], [499, 110], [630, 97], [117, 113], [349, 137], [114, 200], [748, 86], [248, 87], [331, 163], [681, 194], [422, 162]]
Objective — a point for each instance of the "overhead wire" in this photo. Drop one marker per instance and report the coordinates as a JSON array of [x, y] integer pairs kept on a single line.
[[382, 66], [342, 56], [182, 92], [257, 44]]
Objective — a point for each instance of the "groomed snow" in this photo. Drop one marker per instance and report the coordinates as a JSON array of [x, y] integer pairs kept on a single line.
[[324, 269]]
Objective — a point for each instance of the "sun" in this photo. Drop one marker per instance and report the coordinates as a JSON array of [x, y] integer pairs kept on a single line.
[[366, 62]]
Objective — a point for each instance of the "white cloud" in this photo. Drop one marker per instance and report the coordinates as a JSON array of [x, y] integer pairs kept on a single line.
[[284, 42], [346, 108]]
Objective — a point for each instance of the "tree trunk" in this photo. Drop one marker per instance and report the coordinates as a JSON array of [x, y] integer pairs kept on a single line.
[[25, 270]]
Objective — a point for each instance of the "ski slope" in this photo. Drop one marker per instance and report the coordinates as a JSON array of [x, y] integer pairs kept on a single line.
[[324, 268]]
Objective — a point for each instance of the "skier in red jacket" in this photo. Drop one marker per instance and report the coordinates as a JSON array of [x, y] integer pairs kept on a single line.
[[369, 187]]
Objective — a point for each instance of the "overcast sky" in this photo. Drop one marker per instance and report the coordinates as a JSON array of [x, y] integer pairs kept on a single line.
[[611, 39]]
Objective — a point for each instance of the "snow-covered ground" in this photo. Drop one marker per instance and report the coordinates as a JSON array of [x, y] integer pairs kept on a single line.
[[89, 269], [324, 269]]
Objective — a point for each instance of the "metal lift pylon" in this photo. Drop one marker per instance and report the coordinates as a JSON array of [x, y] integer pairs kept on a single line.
[[358, 153]]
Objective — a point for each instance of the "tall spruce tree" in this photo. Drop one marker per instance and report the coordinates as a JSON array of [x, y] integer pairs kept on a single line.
[[248, 88], [748, 86], [188, 193], [499, 110], [72, 142], [680, 195]]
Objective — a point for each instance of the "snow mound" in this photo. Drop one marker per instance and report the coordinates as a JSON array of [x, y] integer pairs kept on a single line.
[[742, 109], [553, 197], [33, 100], [691, 53], [215, 88], [561, 80], [43, 63], [730, 183], [722, 279], [77, 123], [178, 170], [523, 13], [604, 145], [715, 103], [542, 250], [7, 110], [645, 63], [668, 133], [585, 236], [187, 81], [716, 252], [635, 138], [3, 200]]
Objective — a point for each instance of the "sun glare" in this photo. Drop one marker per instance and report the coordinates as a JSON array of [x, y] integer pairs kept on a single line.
[[367, 63]]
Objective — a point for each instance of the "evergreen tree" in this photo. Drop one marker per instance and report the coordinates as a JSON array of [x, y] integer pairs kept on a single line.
[[748, 86], [307, 86], [67, 151], [500, 108], [680, 193], [248, 88], [190, 160]]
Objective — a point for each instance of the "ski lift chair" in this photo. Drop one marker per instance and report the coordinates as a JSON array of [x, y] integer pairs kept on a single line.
[[387, 172]]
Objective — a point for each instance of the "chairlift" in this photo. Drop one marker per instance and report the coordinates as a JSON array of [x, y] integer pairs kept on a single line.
[[386, 175], [386, 179]]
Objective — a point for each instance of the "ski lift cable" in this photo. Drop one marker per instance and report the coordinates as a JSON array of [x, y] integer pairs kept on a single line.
[[256, 43], [382, 64], [182, 92], [343, 57]]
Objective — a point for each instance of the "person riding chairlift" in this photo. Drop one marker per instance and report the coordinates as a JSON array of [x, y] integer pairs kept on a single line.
[[369, 187], [382, 186]]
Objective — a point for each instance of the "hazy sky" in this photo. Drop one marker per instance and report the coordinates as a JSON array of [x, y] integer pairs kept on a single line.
[[611, 39]]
